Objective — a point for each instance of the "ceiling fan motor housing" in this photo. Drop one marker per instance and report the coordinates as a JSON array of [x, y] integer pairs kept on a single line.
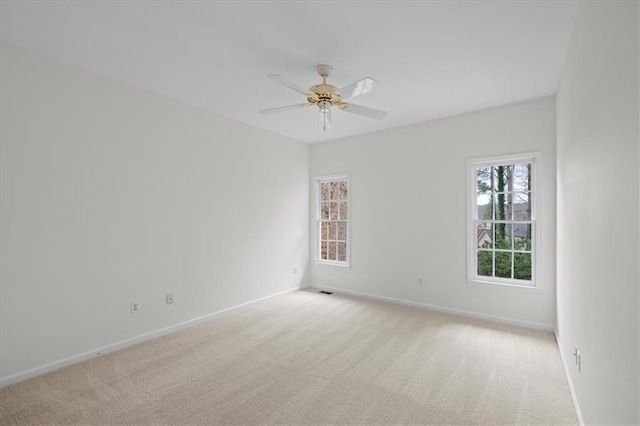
[[321, 94], [324, 95]]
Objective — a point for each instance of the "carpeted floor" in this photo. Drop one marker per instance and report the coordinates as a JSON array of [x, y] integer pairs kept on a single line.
[[309, 358]]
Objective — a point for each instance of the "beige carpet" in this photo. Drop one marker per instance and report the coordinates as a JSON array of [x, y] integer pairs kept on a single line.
[[309, 358]]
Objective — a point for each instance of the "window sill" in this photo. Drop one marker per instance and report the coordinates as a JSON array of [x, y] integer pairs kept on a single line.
[[505, 285], [326, 262]]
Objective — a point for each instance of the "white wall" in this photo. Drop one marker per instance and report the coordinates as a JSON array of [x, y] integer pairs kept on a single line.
[[598, 211], [111, 194], [408, 212]]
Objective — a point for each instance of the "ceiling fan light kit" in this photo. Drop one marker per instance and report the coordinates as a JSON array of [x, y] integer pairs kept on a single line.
[[326, 96]]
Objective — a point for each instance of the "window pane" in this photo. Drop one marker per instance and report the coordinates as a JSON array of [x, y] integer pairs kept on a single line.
[[342, 252], [483, 175], [493, 179], [485, 263], [334, 190], [502, 174], [325, 191], [522, 266], [342, 190], [522, 236], [333, 211], [324, 211], [503, 265], [521, 206], [324, 231], [521, 177], [503, 235], [485, 206], [500, 206], [510, 199], [344, 210], [342, 231], [332, 250], [484, 235], [323, 250], [332, 231]]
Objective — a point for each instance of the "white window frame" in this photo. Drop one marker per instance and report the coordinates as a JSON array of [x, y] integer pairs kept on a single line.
[[535, 158], [317, 181]]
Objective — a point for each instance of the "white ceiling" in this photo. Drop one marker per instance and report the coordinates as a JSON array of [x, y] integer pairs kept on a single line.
[[432, 59]]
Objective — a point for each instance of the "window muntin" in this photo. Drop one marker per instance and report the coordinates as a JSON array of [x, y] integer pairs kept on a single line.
[[333, 219], [503, 221]]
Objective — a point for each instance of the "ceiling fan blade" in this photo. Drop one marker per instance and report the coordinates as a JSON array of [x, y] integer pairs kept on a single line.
[[325, 120], [363, 111], [358, 88], [290, 84], [282, 108]]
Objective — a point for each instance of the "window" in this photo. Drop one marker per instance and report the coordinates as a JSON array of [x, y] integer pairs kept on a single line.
[[503, 227], [332, 213]]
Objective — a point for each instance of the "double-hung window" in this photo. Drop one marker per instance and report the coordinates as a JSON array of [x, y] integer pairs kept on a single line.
[[332, 215], [503, 227]]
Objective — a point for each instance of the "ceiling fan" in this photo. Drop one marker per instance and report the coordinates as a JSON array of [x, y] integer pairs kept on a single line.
[[326, 96]]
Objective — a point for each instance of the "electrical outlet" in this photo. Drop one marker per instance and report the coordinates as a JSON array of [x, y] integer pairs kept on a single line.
[[419, 281], [135, 307], [169, 299], [576, 355]]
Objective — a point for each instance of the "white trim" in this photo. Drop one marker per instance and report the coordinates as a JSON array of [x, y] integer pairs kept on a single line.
[[333, 262], [508, 285], [566, 372], [469, 314], [329, 178], [56, 365], [497, 160], [536, 160]]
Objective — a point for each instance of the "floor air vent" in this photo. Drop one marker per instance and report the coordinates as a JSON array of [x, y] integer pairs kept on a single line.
[[325, 292]]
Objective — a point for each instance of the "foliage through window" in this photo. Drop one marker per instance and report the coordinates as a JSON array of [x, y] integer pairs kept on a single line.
[[333, 219], [503, 230]]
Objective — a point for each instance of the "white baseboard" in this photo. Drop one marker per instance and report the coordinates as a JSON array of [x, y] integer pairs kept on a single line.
[[494, 318], [25, 375], [565, 366]]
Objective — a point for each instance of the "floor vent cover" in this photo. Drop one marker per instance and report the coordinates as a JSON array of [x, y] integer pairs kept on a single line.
[[325, 292]]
